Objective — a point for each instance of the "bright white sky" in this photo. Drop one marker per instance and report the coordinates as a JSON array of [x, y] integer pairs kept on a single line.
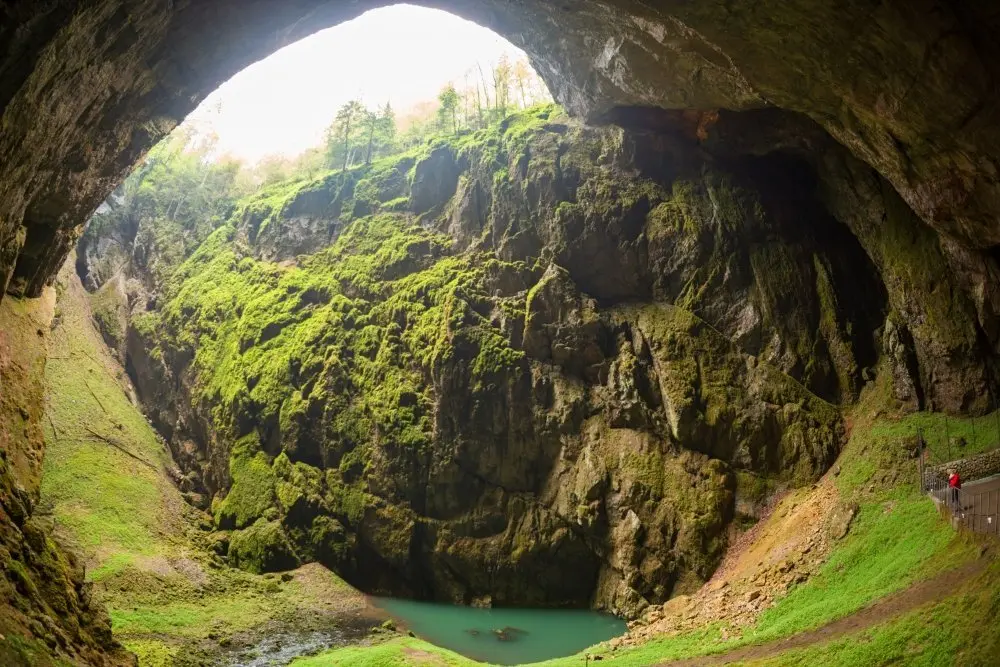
[[403, 54]]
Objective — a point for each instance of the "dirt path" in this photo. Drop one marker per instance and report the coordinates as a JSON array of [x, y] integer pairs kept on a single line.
[[897, 604]]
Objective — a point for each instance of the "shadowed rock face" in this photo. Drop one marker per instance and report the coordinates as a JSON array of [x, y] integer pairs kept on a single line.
[[908, 86]]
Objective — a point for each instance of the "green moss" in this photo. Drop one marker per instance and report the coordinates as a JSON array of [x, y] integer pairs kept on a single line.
[[252, 491], [916, 272], [16, 650], [103, 473], [296, 483], [18, 574], [397, 652], [149, 562], [754, 488], [348, 500], [263, 547], [705, 381], [109, 305], [354, 331], [153, 653], [838, 342]]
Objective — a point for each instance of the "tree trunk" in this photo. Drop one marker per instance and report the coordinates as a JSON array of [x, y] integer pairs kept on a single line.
[[347, 143], [371, 138], [486, 95]]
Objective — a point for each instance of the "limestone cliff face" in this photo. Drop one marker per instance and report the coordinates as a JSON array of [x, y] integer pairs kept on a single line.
[[541, 362], [906, 89]]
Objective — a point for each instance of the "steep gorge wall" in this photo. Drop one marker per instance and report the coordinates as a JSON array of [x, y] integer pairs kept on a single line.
[[543, 353], [908, 87]]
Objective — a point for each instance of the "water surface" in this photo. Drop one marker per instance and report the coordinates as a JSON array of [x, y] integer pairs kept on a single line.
[[504, 636]]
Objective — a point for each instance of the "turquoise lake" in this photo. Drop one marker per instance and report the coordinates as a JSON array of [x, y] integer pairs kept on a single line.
[[503, 636]]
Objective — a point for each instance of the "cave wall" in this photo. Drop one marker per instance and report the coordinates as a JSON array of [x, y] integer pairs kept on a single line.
[[907, 87], [943, 296]]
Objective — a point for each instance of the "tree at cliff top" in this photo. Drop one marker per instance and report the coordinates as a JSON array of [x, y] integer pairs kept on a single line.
[[485, 97], [170, 202], [184, 188], [448, 109]]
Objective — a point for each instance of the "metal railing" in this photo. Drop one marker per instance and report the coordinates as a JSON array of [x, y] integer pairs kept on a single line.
[[977, 512]]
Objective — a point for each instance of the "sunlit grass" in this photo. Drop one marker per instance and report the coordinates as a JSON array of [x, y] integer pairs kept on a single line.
[[963, 629], [892, 545], [111, 506], [394, 653], [195, 618], [163, 591]]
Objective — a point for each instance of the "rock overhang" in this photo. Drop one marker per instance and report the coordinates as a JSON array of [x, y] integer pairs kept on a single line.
[[909, 87]]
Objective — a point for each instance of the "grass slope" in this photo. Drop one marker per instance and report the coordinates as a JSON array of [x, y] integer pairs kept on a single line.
[[396, 652], [106, 490], [961, 630]]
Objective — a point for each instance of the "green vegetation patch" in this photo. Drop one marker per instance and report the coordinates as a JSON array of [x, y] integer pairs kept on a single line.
[[252, 492], [356, 332], [152, 652], [397, 652], [881, 453], [193, 619], [263, 547], [893, 543], [104, 480], [16, 650], [109, 305], [106, 489], [961, 629]]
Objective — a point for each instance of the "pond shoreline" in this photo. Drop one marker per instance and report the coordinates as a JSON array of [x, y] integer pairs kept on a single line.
[[499, 635]]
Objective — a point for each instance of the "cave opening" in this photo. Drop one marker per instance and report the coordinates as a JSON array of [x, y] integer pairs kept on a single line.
[[617, 325], [352, 93]]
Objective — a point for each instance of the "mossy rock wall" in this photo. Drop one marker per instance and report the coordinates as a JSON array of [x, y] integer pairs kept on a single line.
[[541, 352]]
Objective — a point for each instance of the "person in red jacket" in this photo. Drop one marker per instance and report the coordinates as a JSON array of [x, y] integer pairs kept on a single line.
[[954, 484]]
